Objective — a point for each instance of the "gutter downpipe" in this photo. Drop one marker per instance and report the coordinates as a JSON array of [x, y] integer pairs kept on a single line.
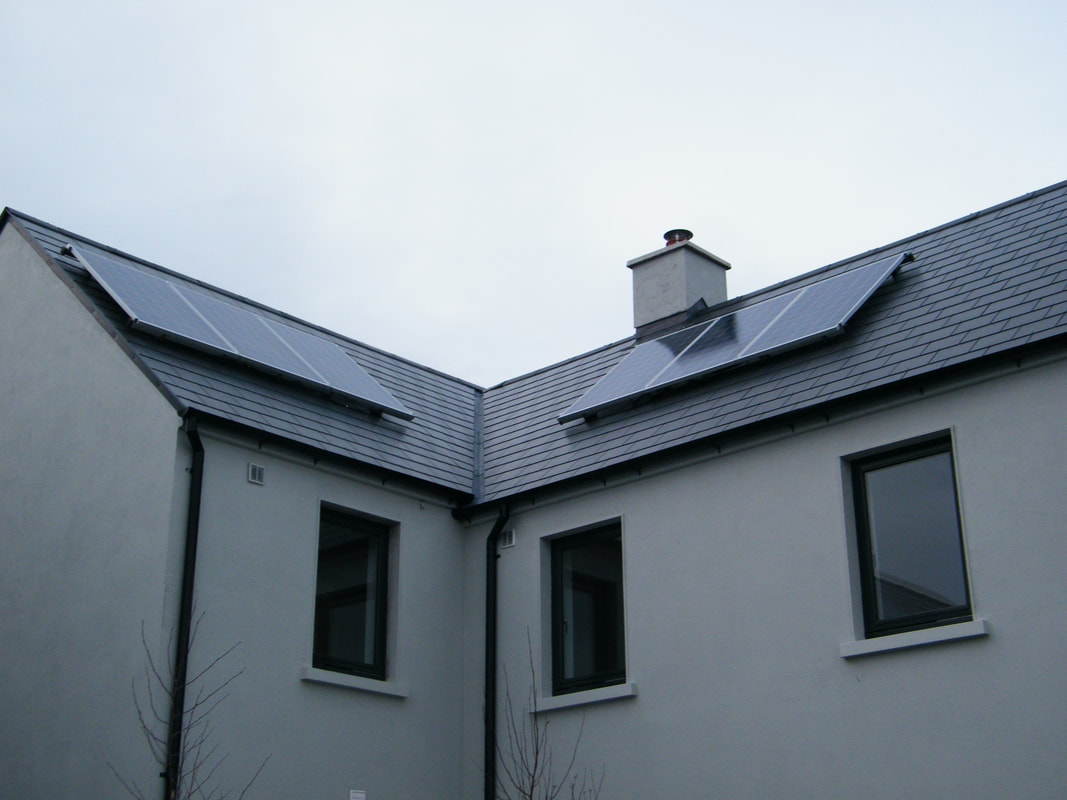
[[172, 772], [491, 555]]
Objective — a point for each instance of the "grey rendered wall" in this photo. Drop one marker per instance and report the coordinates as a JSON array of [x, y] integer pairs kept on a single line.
[[739, 593], [92, 484], [256, 587]]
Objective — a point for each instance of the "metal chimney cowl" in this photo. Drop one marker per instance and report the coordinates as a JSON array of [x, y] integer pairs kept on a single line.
[[676, 277]]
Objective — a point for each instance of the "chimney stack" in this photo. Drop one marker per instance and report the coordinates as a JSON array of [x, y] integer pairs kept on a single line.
[[673, 279]]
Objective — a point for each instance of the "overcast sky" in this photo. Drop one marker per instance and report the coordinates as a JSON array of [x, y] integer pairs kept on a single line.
[[462, 183]]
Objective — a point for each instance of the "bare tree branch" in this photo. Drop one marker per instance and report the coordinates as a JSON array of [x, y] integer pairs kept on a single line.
[[201, 755], [526, 766]]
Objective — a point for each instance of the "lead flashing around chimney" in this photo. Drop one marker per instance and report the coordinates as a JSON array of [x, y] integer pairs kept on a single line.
[[675, 322], [673, 279]]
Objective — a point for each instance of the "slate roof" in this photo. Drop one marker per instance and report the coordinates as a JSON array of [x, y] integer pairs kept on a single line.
[[983, 286], [436, 447], [989, 283]]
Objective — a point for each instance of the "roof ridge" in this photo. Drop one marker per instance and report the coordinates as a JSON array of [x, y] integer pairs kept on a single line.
[[774, 288]]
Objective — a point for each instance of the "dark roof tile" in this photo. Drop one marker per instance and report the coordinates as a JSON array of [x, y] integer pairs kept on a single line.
[[437, 446], [982, 285]]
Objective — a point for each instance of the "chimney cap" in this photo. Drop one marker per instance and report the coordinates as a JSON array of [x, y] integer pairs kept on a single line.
[[677, 236]]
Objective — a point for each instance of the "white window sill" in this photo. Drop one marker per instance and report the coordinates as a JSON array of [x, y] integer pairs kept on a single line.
[[900, 641], [356, 682], [600, 695]]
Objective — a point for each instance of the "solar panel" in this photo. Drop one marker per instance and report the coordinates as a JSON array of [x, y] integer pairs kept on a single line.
[[725, 341], [786, 321], [823, 308], [166, 308], [151, 302], [338, 370], [250, 335], [647, 359]]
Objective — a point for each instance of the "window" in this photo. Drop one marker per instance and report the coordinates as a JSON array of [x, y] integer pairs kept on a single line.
[[912, 569], [587, 611], [350, 595]]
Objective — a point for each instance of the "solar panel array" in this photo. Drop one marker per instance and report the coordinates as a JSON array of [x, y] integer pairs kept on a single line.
[[786, 321], [177, 311]]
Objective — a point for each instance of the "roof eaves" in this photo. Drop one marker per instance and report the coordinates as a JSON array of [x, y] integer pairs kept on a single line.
[[460, 498], [894, 387]]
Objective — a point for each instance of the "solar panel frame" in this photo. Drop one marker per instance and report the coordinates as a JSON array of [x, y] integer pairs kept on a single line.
[[152, 303], [167, 309], [852, 289], [779, 323]]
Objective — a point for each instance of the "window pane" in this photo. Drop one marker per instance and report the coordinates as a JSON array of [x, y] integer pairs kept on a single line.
[[588, 610], [916, 555], [350, 594]]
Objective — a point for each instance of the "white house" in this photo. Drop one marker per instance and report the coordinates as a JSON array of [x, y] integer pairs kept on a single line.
[[804, 543]]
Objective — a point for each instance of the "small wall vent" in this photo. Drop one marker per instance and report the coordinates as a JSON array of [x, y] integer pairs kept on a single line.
[[507, 538], [255, 473]]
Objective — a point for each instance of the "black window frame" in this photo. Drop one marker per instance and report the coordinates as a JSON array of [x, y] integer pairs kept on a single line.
[[364, 529], [873, 625], [615, 673]]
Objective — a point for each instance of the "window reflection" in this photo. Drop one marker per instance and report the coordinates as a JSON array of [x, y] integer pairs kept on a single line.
[[911, 544]]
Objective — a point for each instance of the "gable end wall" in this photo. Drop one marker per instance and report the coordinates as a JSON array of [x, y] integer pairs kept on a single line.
[[92, 507]]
